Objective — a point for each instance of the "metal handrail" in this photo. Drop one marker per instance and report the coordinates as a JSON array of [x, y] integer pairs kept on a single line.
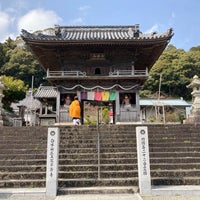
[[99, 146]]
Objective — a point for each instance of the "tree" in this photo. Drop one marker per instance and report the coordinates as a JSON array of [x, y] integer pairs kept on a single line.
[[15, 91], [8, 46], [177, 68], [22, 65], [2, 55]]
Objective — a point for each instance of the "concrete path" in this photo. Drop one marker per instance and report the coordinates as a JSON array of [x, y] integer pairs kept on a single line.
[[158, 193]]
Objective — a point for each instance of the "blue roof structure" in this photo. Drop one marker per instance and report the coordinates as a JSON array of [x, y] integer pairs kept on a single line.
[[164, 102]]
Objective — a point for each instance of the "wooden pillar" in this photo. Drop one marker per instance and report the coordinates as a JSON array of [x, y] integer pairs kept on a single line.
[[58, 107], [137, 102], [117, 107]]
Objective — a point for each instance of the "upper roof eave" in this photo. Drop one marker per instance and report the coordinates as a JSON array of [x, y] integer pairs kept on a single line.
[[97, 34]]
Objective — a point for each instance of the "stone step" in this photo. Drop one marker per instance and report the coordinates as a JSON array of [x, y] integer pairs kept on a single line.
[[78, 150], [123, 148], [23, 162], [22, 151], [95, 155], [95, 161], [64, 142], [22, 156], [179, 160], [94, 145], [25, 168], [175, 180], [78, 156], [22, 175], [92, 133], [94, 150], [174, 154], [177, 140], [179, 173], [175, 144], [25, 183], [24, 146], [94, 167], [175, 149], [79, 145], [9, 141], [65, 183], [78, 161], [39, 132], [98, 190], [122, 155], [174, 166], [78, 167], [94, 174]]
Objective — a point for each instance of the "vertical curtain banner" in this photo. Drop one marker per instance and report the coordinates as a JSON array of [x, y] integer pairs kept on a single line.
[[97, 96], [90, 95], [105, 95], [112, 96], [84, 95]]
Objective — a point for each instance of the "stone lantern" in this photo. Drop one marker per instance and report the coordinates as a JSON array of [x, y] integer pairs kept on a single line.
[[2, 87], [194, 116]]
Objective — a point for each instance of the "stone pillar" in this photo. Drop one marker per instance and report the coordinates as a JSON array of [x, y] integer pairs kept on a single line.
[[194, 116], [2, 87]]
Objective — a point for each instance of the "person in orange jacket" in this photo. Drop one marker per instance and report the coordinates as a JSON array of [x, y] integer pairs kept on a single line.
[[75, 111]]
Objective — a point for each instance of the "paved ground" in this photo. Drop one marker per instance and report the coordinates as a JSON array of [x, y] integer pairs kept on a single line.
[[158, 193], [99, 197], [172, 198], [74, 197]]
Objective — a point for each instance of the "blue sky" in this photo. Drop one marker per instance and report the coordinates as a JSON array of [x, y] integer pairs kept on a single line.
[[152, 15]]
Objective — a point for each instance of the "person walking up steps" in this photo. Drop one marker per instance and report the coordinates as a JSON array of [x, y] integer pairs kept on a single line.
[[75, 111]]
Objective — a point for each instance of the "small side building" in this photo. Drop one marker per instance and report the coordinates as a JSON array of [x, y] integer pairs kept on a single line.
[[164, 110]]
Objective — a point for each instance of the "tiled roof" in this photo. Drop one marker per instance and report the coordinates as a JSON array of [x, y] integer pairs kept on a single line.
[[29, 102], [46, 92], [96, 33]]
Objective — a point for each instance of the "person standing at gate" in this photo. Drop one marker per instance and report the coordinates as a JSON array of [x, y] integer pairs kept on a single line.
[[75, 111]]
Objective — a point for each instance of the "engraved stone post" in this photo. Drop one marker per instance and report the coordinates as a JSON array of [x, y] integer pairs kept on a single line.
[[52, 161], [143, 160], [2, 87], [194, 116]]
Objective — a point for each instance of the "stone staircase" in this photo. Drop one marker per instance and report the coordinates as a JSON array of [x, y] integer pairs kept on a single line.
[[174, 154], [117, 169], [23, 157], [174, 157]]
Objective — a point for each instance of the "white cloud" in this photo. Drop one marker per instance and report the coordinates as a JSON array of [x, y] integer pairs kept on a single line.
[[38, 19], [77, 21], [83, 8], [154, 28], [4, 23], [173, 15]]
